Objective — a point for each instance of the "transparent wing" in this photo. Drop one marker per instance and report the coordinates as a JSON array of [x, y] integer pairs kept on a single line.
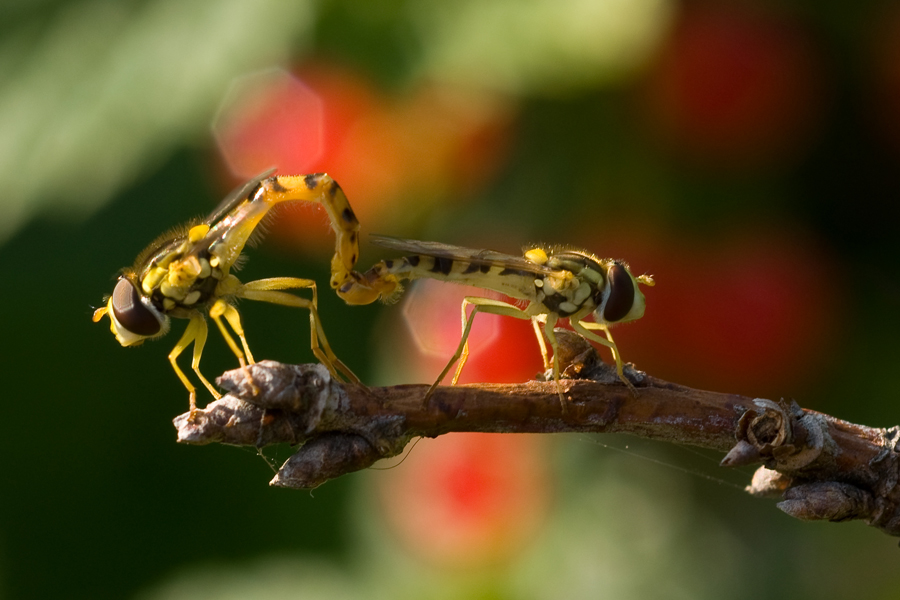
[[233, 222], [462, 254], [236, 196]]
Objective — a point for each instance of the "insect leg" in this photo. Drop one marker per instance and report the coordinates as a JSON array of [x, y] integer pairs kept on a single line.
[[234, 319], [222, 309], [549, 324], [270, 290], [376, 283], [486, 305], [464, 356], [195, 332], [536, 323], [582, 328]]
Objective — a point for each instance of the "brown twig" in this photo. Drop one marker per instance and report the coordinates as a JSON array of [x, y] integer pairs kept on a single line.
[[824, 468]]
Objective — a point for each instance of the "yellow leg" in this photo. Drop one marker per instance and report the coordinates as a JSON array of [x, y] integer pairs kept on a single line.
[[195, 332], [582, 328], [270, 290], [486, 305], [552, 318], [536, 323], [222, 309], [464, 355], [234, 319], [365, 288]]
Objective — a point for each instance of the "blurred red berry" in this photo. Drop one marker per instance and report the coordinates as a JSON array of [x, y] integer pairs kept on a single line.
[[270, 119], [748, 312], [734, 86], [467, 500]]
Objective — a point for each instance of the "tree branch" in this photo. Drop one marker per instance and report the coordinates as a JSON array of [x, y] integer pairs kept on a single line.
[[823, 467]]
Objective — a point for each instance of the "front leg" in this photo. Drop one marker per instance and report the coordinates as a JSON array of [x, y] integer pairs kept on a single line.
[[196, 333], [582, 327]]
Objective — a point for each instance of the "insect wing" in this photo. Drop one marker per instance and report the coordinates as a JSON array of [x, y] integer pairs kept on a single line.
[[462, 254], [237, 195], [226, 239], [233, 222]]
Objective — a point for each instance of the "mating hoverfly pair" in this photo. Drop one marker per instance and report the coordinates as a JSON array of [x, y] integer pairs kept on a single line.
[[187, 271]]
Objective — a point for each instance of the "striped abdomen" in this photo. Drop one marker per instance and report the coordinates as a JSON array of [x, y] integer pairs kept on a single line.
[[512, 282]]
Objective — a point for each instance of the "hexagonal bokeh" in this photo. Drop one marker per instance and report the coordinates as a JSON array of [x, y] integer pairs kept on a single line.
[[431, 311], [270, 119]]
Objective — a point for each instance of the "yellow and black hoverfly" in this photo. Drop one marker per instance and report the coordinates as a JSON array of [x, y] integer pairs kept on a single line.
[[187, 271], [555, 284]]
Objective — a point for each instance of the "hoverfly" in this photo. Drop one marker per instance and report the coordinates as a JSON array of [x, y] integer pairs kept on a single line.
[[186, 271], [555, 284]]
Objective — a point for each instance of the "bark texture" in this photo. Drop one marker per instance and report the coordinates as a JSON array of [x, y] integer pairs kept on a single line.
[[823, 468]]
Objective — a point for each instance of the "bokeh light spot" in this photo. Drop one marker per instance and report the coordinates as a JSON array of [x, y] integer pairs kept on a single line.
[[735, 87], [432, 313], [468, 500], [270, 119], [749, 310], [885, 72]]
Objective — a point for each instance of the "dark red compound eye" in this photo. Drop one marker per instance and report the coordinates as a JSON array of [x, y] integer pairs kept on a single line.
[[130, 313], [621, 294]]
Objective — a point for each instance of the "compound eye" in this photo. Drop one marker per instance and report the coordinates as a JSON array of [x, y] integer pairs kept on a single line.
[[130, 313], [621, 294]]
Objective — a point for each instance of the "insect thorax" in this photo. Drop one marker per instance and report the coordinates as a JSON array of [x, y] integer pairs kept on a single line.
[[176, 278], [582, 288]]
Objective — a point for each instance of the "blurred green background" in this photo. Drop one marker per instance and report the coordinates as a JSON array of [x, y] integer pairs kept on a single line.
[[744, 153]]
